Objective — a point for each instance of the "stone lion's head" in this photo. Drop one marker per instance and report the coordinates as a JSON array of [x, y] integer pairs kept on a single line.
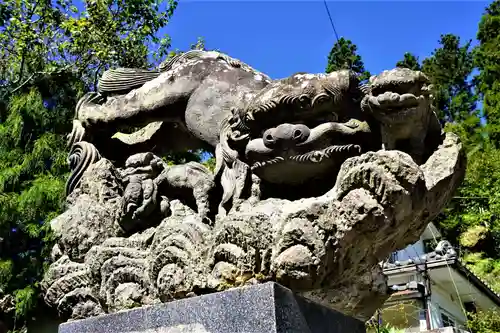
[[295, 133]]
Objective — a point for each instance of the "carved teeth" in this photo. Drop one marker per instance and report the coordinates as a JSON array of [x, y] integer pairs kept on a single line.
[[314, 156], [265, 163], [390, 99]]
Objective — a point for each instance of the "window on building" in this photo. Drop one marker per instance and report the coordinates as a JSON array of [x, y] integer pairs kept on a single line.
[[470, 307], [447, 320], [415, 278]]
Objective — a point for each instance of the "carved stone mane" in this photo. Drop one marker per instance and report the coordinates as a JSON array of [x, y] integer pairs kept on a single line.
[[317, 180]]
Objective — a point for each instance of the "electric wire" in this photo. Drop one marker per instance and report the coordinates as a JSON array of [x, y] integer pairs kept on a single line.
[[331, 20]]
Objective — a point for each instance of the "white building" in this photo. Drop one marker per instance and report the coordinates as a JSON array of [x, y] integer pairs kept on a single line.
[[433, 290]]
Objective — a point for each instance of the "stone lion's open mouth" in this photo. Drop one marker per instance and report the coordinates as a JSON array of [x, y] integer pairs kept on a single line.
[[393, 101], [315, 156], [392, 106]]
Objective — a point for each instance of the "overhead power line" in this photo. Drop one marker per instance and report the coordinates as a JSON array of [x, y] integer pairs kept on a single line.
[[331, 20]]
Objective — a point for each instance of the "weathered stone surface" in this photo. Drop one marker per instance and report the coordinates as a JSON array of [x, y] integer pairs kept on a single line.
[[302, 193], [443, 172], [412, 129], [266, 308], [92, 214]]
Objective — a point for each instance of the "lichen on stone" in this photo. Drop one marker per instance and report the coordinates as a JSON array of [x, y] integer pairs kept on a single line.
[[312, 187]]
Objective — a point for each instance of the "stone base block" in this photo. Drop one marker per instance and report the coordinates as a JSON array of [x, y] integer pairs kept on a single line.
[[264, 308]]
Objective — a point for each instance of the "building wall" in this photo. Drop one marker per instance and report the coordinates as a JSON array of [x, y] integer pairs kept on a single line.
[[403, 315], [446, 299], [442, 298], [405, 277]]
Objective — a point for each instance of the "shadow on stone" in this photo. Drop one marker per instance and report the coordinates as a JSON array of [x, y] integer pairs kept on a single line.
[[264, 308]]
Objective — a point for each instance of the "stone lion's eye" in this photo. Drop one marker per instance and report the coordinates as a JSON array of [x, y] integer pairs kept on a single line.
[[321, 99]]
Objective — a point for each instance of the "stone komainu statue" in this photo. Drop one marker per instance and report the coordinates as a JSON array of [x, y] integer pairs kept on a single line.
[[318, 178]]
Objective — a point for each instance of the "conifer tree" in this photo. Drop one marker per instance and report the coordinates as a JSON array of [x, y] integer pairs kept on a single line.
[[344, 56], [487, 60], [53, 52], [449, 68], [409, 61]]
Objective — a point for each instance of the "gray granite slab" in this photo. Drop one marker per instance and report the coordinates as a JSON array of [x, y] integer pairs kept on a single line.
[[264, 308]]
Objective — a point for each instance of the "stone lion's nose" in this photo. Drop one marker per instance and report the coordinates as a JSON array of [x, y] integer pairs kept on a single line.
[[286, 135]]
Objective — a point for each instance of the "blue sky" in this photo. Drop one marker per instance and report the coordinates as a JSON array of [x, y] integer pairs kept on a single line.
[[284, 37]]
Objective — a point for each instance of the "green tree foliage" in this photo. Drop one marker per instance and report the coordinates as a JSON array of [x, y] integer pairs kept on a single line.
[[484, 322], [472, 221], [472, 218], [344, 56], [485, 267], [449, 69], [409, 61], [487, 60], [52, 52]]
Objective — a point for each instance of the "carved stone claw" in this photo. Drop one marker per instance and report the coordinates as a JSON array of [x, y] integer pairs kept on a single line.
[[315, 207]]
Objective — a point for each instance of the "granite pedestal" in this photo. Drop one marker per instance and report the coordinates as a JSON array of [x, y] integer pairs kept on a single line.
[[264, 308]]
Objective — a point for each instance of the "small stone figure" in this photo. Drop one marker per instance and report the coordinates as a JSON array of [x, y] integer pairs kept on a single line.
[[193, 177], [301, 193], [139, 198], [400, 100]]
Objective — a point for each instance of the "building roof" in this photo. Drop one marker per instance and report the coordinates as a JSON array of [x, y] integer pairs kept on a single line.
[[443, 255]]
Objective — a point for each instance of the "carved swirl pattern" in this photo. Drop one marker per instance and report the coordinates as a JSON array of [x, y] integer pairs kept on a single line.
[[68, 286], [326, 244], [378, 198], [77, 133], [81, 156], [333, 88], [173, 268], [194, 54]]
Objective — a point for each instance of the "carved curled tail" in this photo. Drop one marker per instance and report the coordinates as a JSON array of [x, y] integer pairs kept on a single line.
[[77, 133], [365, 88], [170, 63], [194, 54], [123, 80], [81, 156]]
